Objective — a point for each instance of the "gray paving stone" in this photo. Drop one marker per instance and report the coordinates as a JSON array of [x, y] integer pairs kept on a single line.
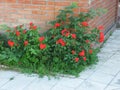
[[90, 85], [58, 87], [109, 49], [116, 81], [88, 72], [112, 88], [101, 77], [112, 43], [7, 74], [103, 56], [18, 83], [115, 58], [42, 84], [3, 82], [70, 82], [112, 63], [107, 70]]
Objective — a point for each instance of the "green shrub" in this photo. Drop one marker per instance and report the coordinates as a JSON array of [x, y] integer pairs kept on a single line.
[[66, 48]]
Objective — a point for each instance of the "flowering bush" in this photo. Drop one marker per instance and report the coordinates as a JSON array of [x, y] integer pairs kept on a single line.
[[66, 48]]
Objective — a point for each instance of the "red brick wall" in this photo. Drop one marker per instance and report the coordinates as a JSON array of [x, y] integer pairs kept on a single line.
[[110, 17], [40, 12]]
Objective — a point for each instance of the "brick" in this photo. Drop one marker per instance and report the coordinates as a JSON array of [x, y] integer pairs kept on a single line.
[[10, 11], [10, 20], [83, 4], [51, 3], [62, 3], [17, 16], [47, 7], [38, 2], [39, 12], [84, 9], [25, 21], [30, 7], [24, 12], [2, 5], [1, 1], [24, 1], [10, 1], [15, 6], [57, 8]]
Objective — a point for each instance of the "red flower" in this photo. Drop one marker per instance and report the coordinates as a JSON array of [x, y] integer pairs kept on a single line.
[[31, 23], [85, 24], [57, 24], [101, 27], [101, 39], [17, 33], [84, 58], [87, 41], [41, 38], [90, 51], [65, 33], [73, 52], [10, 43], [24, 31], [76, 59], [25, 43], [34, 27], [61, 41], [73, 36], [82, 53], [42, 46]]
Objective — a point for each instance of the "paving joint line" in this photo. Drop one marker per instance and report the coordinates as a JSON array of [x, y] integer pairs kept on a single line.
[[111, 80]]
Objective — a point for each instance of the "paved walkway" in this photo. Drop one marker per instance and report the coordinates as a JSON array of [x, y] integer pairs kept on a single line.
[[103, 76]]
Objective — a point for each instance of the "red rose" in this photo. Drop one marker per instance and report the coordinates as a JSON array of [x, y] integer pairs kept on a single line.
[[42, 46], [73, 36], [73, 52], [25, 43], [31, 23], [101, 27], [90, 51], [101, 38], [61, 41], [82, 53], [57, 24], [84, 58], [17, 33], [87, 41], [24, 31], [34, 27], [65, 33], [41, 38], [76, 59], [85, 24], [10, 43]]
